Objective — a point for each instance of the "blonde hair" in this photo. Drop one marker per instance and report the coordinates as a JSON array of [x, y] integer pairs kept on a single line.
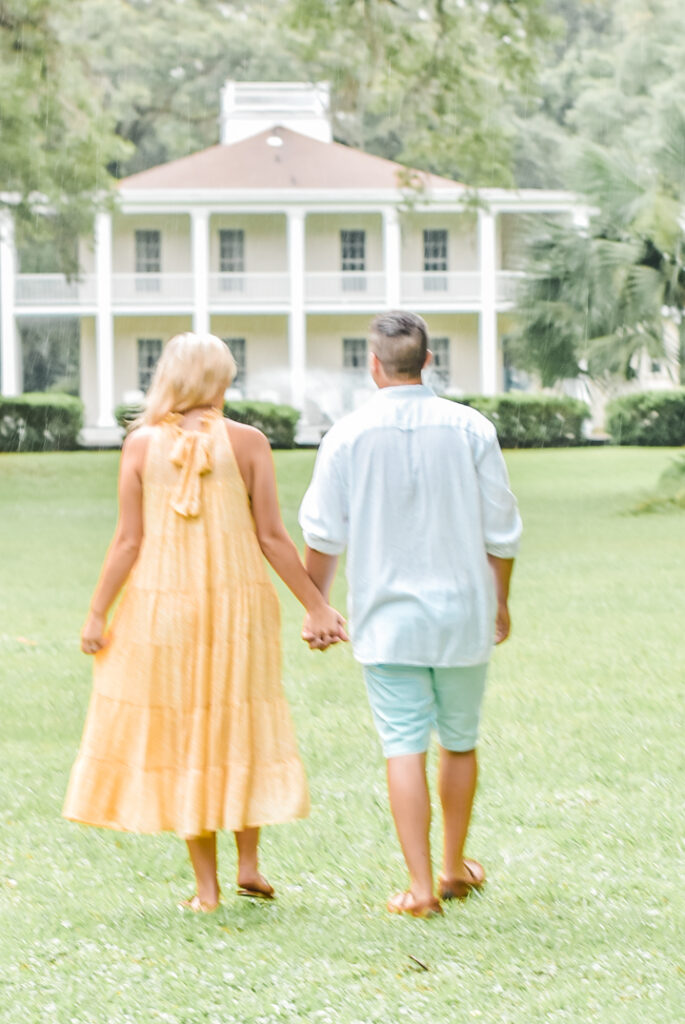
[[192, 370]]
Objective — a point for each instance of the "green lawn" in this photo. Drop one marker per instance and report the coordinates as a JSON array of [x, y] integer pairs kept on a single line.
[[578, 818]]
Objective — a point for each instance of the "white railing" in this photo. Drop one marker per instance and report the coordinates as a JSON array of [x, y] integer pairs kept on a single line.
[[508, 282], [346, 286], [436, 286], [54, 290], [152, 289], [262, 289], [341, 287]]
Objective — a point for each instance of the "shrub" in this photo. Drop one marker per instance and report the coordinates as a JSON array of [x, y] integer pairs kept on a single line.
[[648, 417], [125, 414], [40, 421], [532, 421], [670, 490], [278, 422]]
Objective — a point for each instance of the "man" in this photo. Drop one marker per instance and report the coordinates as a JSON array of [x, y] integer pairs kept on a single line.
[[416, 489]]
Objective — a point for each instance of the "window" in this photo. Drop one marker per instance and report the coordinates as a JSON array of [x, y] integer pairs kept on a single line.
[[353, 258], [440, 366], [148, 260], [149, 351], [231, 258], [237, 347], [354, 353], [435, 259]]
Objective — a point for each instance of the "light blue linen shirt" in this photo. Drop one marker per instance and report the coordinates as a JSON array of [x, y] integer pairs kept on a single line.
[[415, 487]]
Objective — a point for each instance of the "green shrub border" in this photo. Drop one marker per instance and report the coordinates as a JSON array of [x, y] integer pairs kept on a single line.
[[532, 421], [278, 422], [655, 418], [40, 422]]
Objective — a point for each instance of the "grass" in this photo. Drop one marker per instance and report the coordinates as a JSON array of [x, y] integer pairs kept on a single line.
[[578, 816]]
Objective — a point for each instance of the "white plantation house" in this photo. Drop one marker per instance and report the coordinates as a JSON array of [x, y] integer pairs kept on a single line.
[[285, 244]]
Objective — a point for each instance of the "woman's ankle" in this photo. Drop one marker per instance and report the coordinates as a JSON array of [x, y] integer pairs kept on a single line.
[[208, 891]]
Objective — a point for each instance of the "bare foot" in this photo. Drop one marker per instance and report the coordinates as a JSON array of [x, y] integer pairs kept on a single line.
[[470, 876], [198, 906], [252, 883]]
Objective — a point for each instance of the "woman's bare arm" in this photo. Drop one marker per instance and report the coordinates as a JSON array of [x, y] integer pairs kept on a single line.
[[255, 461], [125, 546]]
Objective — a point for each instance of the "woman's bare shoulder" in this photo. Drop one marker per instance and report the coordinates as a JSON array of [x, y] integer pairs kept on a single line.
[[245, 438], [138, 438], [135, 444]]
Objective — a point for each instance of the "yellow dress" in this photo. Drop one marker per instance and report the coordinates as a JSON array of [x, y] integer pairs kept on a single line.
[[188, 728]]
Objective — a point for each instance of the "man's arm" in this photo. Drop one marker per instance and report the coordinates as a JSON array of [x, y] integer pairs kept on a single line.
[[502, 569], [321, 568]]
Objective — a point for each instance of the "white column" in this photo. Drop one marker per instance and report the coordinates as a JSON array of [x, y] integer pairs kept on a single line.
[[392, 256], [199, 223], [10, 349], [104, 323], [297, 324], [487, 320]]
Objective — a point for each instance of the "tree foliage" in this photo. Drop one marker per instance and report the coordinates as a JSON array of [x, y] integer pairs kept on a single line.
[[161, 67], [607, 76], [598, 301], [55, 140], [427, 82]]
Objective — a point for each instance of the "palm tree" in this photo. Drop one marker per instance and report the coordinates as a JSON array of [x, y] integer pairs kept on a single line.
[[599, 301]]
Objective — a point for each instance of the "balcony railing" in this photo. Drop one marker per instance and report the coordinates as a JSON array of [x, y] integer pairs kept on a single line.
[[345, 286], [341, 288], [234, 289], [508, 282], [152, 289], [439, 286], [54, 290]]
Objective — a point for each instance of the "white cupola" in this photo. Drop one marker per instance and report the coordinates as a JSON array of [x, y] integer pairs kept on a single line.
[[248, 108]]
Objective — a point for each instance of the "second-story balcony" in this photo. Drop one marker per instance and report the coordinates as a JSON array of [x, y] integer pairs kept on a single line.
[[344, 287], [249, 289], [56, 290], [460, 287], [141, 290], [254, 291]]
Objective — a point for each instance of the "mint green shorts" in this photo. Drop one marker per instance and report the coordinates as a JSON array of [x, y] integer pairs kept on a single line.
[[409, 701]]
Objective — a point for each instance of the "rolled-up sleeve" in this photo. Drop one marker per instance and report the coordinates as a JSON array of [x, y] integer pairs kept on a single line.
[[500, 515], [323, 514]]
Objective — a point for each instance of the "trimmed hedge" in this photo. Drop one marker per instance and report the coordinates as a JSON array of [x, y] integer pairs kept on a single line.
[[40, 422], [648, 417], [126, 414], [532, 421], [278, 422]]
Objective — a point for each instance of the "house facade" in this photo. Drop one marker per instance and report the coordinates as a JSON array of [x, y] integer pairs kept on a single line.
[[285, 244]]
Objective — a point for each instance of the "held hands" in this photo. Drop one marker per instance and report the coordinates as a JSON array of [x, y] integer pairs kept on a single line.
[[323, 627], [92, 634]]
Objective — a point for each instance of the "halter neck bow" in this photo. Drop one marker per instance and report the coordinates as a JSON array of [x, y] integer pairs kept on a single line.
[[193, 455]]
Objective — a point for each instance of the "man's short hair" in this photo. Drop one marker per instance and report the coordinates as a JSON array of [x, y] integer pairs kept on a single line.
[[399, 341]]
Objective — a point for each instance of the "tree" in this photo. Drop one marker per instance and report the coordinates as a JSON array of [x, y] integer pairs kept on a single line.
[[596, 302], [607, 74], [161, 66], [426, 82], [55, 139]]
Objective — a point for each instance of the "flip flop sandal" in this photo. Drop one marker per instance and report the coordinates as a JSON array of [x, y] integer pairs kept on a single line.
[[459, 888], [255, 893], [196, 906], [405, 903]]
